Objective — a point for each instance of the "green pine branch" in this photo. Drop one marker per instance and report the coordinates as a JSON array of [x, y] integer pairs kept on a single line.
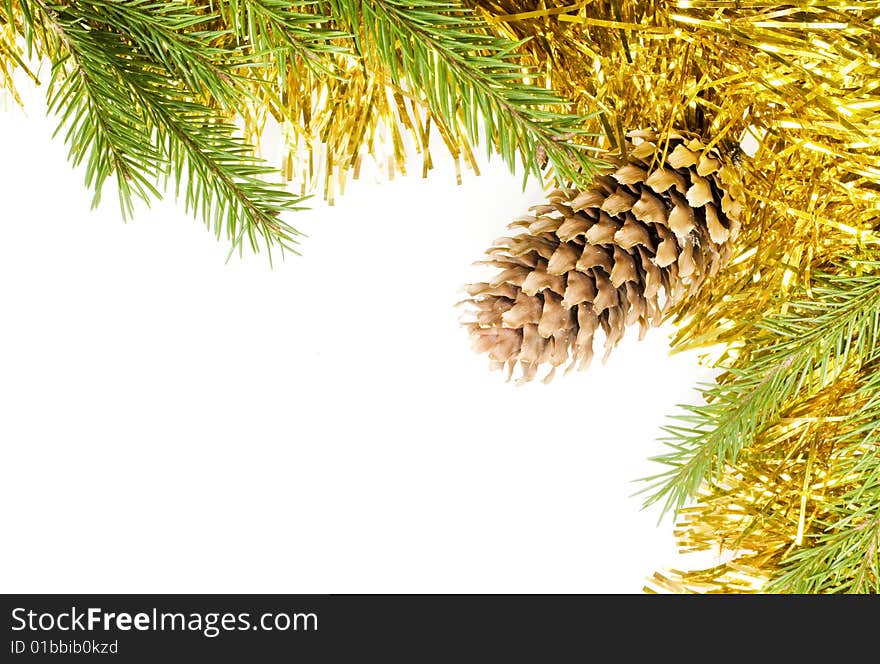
[[844, 557], [468, 77], [282, 31], [104, 128], [130, 112], [173, 36], [144, 91], [801, 352]]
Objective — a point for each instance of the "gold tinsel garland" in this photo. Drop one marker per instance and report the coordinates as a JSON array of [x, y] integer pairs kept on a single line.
[[764, 507], [790, 93], [330, 124]]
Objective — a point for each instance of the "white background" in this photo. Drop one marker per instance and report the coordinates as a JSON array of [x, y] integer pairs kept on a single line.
[[171, 422]]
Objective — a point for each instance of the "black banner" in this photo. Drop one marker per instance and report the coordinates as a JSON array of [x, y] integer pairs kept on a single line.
[[380, 628]]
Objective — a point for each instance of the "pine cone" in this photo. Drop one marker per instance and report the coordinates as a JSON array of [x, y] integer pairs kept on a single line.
[[627, 248]]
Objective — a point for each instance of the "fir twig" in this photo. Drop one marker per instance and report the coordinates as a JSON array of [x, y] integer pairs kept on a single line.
[[804, 351], [173, 36], [144, 91], [844, 557], [469, 78], [130, 111], [279, 31]]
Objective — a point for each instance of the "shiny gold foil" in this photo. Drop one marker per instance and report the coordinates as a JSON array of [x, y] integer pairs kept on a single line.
[[759, 512], [330, 124], [790, 94]]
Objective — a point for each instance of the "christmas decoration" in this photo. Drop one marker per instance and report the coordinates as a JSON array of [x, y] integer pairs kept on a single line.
[[149, 92], [796, 509], [711, 163], [776, 472], [622, 251]]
